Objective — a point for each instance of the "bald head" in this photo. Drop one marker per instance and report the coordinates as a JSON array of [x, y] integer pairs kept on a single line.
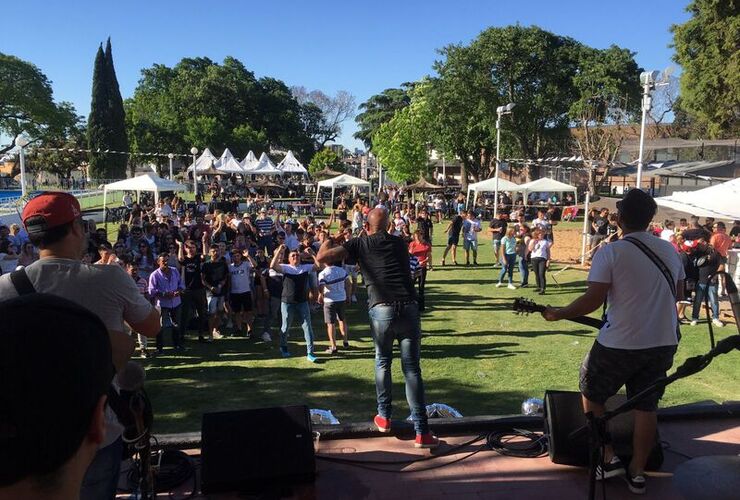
[[377, 219]]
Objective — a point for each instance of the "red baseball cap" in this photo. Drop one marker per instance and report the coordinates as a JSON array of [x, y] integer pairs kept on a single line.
[[50, 209]]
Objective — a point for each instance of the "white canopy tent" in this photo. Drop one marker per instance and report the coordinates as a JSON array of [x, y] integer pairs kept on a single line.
[[204, 162], [228, 164], [547, 185], [146, 182], [291, 165], [343, 180], [489, 186], [249, 162], [720, 201], [265, 166]]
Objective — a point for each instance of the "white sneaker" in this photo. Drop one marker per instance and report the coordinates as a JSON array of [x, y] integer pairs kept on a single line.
[[694, 322], [266, 337], [510, 287], [717, 322], [499, 285]]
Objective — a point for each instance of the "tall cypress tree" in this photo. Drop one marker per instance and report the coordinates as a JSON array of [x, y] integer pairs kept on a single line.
[[98, 123], [119, 140]]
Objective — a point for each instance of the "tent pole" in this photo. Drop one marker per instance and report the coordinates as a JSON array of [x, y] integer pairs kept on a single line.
[[331, 202], [105, 217], [585, 228]]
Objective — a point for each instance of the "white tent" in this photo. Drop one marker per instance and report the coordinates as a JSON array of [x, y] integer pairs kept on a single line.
[[228, 164], [204, 162], [489, 186], [721, 201], [146, 182], [249, 162], [547, 185], [343, 180], [291, 165], [265, 166]]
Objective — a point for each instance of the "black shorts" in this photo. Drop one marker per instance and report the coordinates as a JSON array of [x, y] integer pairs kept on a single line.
[[453, 240], [241, 302], [605, 370], [333, 311]]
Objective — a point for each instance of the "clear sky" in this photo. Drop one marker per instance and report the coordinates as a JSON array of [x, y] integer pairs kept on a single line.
[[361, 47]]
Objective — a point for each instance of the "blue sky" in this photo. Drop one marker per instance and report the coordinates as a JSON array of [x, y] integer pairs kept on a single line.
[[362, 47]]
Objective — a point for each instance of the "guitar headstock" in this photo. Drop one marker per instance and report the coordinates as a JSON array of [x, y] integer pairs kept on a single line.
[[526, 306]]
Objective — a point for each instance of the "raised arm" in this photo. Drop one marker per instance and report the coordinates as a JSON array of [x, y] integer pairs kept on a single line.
[[329, 253], [277, 259]]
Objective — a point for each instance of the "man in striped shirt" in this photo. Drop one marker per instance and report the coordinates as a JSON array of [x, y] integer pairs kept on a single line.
[[265, 225]]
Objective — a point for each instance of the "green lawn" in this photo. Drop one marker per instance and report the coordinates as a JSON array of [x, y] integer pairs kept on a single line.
[[477, 356]]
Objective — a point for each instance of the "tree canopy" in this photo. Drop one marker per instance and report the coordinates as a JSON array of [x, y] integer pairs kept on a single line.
[[326, 158], [707, 50], [378, 110]]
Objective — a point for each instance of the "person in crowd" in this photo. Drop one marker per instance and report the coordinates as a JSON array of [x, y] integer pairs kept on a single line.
[[696, 231], [55, 226], [460, 203], [274, 282], [470, 229], [523, 237], [351, 267], [721, 242], [497, 230], [28, 255], [707, 261], [539, 249], [194, 302], [265, 226], [143, 287], [165, 287], [215, 278], [599, 224], [735, 231], [145, 259], [334, 293], [546, 223], [394, 316], [637, 344], [241, 291], [50, 434], [294, 297], [508, 261], [421, 248], [669, 230], [8, 257], [453, 236], [439, 207]]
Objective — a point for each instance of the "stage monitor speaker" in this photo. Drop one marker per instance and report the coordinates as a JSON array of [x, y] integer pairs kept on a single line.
[[252, 451], [564, 414]]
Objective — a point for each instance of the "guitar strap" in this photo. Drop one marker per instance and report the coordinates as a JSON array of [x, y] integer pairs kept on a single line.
[[663, 269]]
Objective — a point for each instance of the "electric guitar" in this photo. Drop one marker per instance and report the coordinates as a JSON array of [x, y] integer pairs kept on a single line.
[[526, 306]]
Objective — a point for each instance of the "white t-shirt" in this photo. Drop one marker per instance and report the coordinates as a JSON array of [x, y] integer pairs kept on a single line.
[[331, 281], [107, 291], [541, 249], [241, 279], [7, 265], [666, 234], [473, 227], [641, 311]]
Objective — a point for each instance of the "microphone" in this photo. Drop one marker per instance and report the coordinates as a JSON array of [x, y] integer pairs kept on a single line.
[[734, 299], [132, 377]]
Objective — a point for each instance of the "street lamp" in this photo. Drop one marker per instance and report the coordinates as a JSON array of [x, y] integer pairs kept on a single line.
[[648, 80], [500, 111], [171, 157], [194, 151], [22, 142]]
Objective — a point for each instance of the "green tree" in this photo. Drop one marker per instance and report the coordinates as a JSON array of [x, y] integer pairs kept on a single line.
[[378, 110], [707, 49], [119, 138], [27, 103], [326, 158], [61, 155]]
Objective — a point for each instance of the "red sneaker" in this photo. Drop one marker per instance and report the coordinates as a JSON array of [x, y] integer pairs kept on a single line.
[[427, 440], [383, 424]]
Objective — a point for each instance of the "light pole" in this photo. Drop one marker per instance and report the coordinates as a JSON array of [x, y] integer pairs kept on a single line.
[[22, 142], [500, 111], [649, 80], [172, 157], [194, 151]]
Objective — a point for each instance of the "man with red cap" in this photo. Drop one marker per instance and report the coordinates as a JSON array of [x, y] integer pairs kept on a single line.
[[54, 224]]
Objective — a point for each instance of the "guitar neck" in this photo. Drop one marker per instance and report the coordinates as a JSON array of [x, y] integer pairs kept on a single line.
[[530, 306], [588, 321]]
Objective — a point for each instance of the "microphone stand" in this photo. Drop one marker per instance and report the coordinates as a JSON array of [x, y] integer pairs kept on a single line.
[[596, 426]]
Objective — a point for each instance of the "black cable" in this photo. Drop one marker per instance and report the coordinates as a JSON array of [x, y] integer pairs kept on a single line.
[[534, 446], [357, 463]]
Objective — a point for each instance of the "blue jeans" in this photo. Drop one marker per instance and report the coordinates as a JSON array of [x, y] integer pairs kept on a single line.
[[524, 270], [101, 479], [702, 290], [399, 322], [508, 261], [303, 312]]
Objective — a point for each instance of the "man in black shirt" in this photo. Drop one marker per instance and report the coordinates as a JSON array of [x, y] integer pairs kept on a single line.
[[394, 315], [707, 261], [735, 231], [194, 295], [453, 236], [215, 278], [497, 228]]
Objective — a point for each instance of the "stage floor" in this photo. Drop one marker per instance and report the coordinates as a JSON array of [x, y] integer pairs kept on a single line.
[[489, 475]]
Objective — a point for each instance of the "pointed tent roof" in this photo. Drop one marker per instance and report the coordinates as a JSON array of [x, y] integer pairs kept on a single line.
[[250, 161], [204, 162], [424, 185], [291, 165], [265, 167], [224, 158], [228, 164], [145, 182]]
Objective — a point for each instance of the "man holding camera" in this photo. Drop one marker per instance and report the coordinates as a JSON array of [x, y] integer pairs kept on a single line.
[[54, 224]]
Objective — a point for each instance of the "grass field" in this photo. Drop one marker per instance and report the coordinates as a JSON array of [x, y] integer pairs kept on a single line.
[[477, 356]]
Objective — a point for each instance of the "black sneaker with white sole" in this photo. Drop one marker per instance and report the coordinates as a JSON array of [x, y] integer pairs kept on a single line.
[[636, 484], [612, 469]]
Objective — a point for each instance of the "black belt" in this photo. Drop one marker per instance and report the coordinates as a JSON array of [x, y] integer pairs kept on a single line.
[[396, 303]]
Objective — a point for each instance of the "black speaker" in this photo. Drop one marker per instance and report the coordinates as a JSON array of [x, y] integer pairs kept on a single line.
[[564, 414], [254, 451]]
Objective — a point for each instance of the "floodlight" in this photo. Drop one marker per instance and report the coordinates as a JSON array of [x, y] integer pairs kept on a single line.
[[500, 109], [649, 77], [171, 156], [510, 106], [21, 141], [194, 150]]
